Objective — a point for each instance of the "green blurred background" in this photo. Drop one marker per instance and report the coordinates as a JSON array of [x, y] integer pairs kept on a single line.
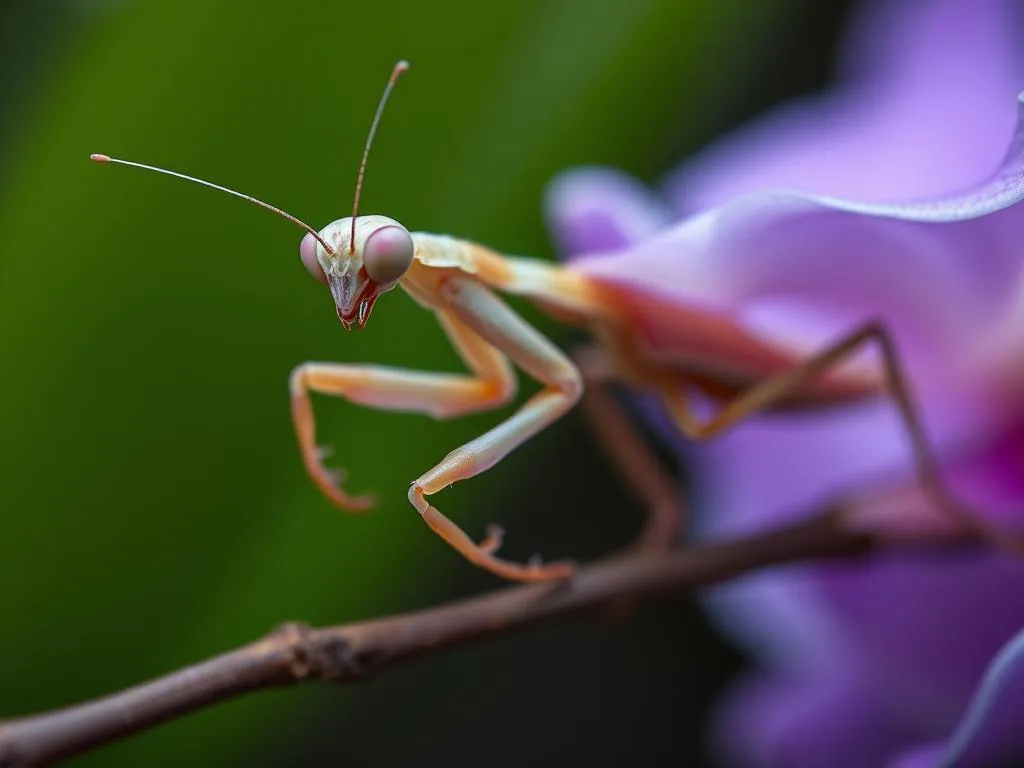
[[153, 509]]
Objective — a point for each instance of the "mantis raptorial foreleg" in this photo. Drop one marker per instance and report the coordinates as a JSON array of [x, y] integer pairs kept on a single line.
[[495, 322], [483, 329], [439, 394]]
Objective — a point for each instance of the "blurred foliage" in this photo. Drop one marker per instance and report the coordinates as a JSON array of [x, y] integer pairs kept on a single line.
[[152, 503]]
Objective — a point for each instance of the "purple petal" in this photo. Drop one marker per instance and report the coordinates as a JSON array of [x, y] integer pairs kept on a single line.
[[832, 719], [908, 616], [919, 631], [593, 210], [922, 628], [922, 112], [989, 732], [775, 259], [921, 756], [797, 270]]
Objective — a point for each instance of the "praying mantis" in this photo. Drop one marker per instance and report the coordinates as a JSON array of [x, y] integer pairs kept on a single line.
[[362, 257]]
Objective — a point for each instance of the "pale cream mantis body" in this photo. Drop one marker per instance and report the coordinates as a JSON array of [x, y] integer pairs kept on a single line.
[[650, 344], [458, 281]]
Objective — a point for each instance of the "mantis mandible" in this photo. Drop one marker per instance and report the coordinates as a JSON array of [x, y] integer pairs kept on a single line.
[[360, 258]]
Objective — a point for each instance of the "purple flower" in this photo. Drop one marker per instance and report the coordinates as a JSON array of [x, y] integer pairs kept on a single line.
[[867, 663]]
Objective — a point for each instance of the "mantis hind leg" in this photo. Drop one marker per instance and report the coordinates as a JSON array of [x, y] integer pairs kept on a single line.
[[777, 389]]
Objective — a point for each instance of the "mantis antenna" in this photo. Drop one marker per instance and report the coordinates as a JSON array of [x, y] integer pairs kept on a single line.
[[98, 158], [400, 67]]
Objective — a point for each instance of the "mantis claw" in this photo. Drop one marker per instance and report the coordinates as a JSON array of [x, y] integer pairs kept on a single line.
[[330, 480], [492, 543], [482, 555]]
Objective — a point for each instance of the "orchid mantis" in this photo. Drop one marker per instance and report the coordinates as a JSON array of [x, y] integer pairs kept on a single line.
[[651, 344]]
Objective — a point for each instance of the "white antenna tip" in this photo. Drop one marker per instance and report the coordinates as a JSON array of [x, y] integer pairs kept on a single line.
[[96, 157], [402, 65]]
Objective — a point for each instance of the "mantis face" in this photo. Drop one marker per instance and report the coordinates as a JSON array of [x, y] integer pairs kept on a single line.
[[369, 259]]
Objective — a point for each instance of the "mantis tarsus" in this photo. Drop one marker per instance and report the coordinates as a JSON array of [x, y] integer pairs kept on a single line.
[[362, 257]]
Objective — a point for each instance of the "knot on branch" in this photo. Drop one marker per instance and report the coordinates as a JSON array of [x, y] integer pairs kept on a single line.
[[295, 642], [312, 654]]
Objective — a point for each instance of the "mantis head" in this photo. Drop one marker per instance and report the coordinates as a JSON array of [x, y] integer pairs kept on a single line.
[[368, 256], [358, 257]]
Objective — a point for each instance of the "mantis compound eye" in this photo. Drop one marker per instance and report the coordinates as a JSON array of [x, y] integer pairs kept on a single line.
[[388, 254], [307, 250]]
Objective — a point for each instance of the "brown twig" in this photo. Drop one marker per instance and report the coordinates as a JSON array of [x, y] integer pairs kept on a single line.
[[296, 653]]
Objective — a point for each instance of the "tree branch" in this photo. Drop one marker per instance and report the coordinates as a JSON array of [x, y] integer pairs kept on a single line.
[[297, 653]]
